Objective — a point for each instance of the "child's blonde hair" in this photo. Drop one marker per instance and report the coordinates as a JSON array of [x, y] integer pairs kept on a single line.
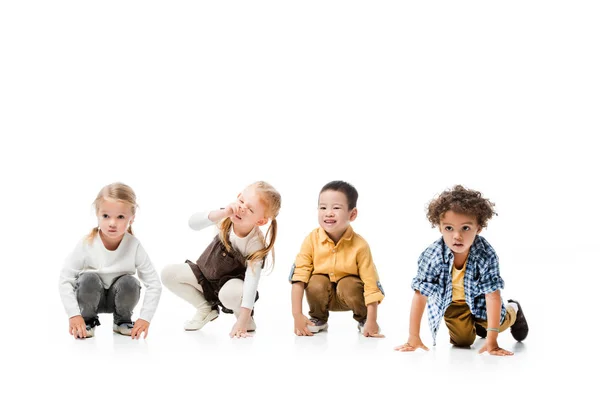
[[271, 199], [115, 191]]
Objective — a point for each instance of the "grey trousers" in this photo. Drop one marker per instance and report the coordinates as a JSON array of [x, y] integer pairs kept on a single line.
[[119, 299]]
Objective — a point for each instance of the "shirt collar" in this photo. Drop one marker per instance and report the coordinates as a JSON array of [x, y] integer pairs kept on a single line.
[[323, 237]]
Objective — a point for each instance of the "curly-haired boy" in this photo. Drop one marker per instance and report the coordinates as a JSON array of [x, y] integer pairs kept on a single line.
[[459, 278]]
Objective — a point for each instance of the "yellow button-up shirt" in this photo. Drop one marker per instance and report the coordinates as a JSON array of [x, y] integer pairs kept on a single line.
[[351, 256]]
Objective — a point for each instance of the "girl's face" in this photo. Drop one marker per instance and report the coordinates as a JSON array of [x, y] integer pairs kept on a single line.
[[114, 217], [459, 231], [251, 210]]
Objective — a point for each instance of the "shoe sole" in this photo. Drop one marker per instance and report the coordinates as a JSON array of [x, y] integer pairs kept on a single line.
[[317, 329], [522, 318]]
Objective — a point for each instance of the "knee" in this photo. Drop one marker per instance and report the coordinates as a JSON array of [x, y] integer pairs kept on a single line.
[[230, 295], [317, 284], [168, 275], [464, 341], [351, 288], [128, 284], [89, 282]]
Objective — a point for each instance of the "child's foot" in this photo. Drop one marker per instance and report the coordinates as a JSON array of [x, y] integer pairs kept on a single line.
[[89, 331], [480, 331], [519, 329], [200, 319], [318, 325], [361, 326], [123, 329]]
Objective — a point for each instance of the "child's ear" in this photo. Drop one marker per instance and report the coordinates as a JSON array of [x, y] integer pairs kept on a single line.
[[353, 214], [479, 229], [262, 221]]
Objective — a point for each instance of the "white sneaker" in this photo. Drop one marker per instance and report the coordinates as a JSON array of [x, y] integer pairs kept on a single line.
[[123, 329], [200, 319], [89, 332]]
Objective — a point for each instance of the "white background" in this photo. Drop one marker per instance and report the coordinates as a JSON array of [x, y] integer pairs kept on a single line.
[[188, 102]]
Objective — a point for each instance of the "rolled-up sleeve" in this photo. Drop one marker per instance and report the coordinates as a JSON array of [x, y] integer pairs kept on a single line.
[[490, 275], [303, 266], [427, 281], [368, 274]]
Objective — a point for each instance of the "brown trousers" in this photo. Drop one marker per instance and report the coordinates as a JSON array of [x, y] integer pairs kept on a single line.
[[347, 294], [461, 323]]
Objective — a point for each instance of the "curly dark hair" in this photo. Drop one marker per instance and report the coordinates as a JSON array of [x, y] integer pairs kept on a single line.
[[463, 201]]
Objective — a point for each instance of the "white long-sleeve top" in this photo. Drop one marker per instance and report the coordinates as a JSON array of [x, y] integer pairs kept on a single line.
[[129, 258], [247, 245]]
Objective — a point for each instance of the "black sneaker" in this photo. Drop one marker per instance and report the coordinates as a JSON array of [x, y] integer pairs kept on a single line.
[[520, 329], [480, 331]]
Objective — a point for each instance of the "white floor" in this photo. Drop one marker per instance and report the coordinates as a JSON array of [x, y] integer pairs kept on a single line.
[[189, 102], [274, 363]]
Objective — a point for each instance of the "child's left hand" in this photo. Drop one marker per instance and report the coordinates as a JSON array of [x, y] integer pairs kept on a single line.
[[140, 326], [371, 329], [240, 329], [491, 346]]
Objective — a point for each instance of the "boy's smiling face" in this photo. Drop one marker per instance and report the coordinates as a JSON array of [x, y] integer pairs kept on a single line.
[[459, 231], [334, 215]]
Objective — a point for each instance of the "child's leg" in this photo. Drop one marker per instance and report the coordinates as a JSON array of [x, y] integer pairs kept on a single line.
[[350, 294], [180, 280], [230, 295], [122, 297], [461, 324], [90, 294], [319, 292]]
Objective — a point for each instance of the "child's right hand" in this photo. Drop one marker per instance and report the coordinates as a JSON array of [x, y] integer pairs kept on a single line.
[[301, 323], [232, 208], [413, 343], [77, 327]]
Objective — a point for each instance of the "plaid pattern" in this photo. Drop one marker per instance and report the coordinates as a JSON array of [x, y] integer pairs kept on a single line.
[[434, 280]]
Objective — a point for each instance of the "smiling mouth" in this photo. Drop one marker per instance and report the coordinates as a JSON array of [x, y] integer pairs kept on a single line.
[[329, 221]]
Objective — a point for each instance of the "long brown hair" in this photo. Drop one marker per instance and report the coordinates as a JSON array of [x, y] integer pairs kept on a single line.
[[115, 191], [271, 199]]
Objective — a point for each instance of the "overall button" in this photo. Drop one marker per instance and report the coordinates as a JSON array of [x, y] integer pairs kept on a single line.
[[224, 254]]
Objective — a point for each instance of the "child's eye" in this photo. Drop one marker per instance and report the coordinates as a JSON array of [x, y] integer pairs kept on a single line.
[[104, 215], [121, 217], [466, 228], [336, 208], [321, 208], [251, 210], [448, 228]]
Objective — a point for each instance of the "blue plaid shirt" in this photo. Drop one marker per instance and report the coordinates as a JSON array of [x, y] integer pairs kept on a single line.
[[434, 280]]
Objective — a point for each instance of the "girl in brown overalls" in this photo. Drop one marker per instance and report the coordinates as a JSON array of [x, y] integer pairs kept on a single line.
[[227, 273]]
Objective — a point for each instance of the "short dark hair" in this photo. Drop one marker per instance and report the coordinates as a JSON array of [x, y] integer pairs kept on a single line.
[[346, 188], [463, 201]]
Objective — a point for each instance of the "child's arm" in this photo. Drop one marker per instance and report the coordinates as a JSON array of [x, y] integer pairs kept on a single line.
[[149, 277], [205, 219], [416, 315], [493, 304], [300, 275], [300, 320], [371, 328], [66, 286]]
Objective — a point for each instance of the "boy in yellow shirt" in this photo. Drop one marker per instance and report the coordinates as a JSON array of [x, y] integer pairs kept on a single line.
[[335, 268]]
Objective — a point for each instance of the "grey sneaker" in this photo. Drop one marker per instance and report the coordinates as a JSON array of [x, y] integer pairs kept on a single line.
[[123, 329], [318, 325]]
